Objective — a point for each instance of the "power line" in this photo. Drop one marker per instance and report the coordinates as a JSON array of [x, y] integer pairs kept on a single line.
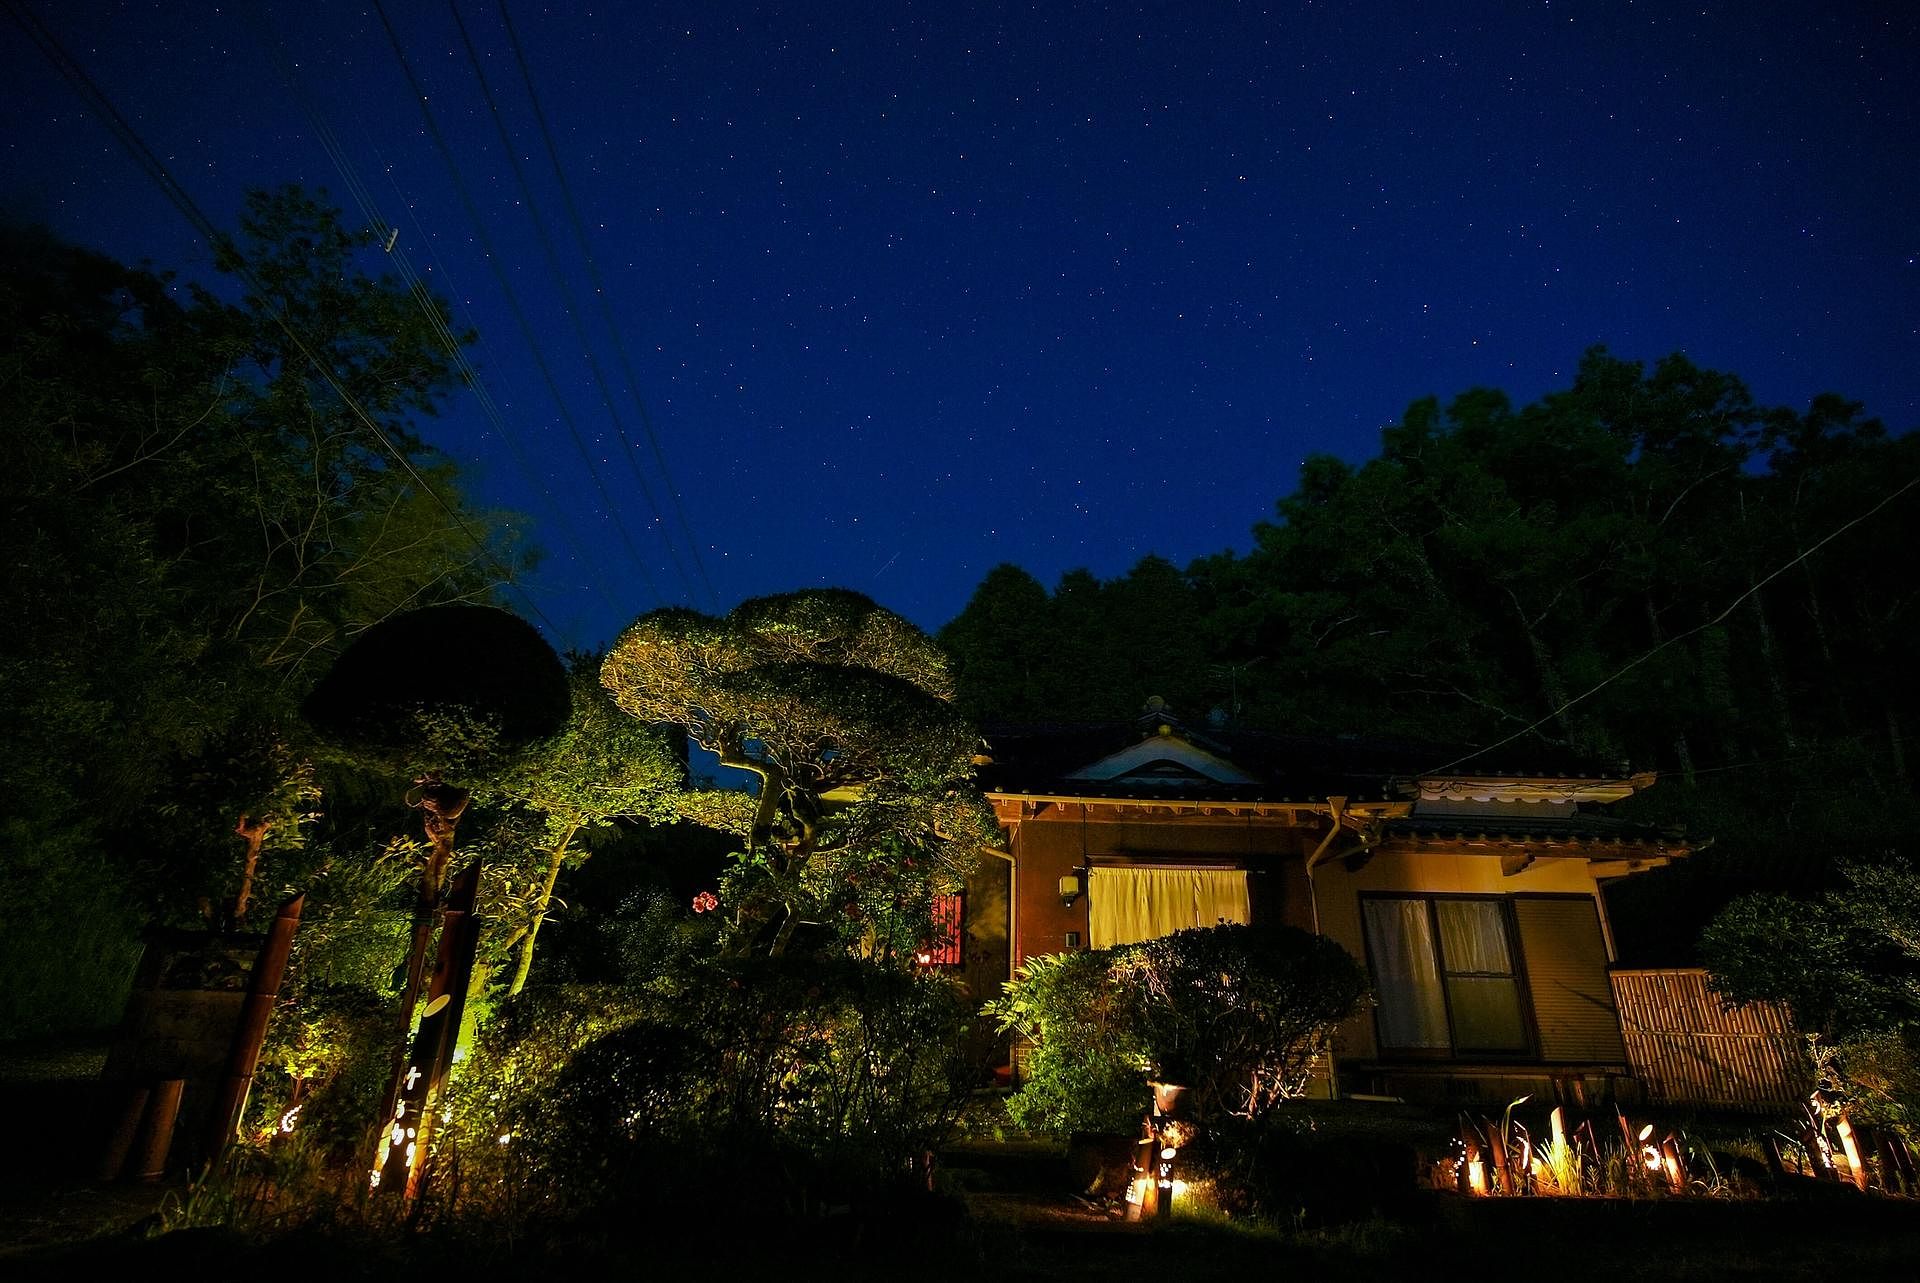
[[422, 296], [219, 243], [1733, 605], [566, 294], [606, 311], [513, 303]]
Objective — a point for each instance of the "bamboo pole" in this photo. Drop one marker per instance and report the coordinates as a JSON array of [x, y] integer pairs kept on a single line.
[[250, 1031]]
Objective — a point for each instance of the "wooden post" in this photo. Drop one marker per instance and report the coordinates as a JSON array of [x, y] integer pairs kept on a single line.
[[1673, 1166], [250, 1033], [1856, 1167], [442, 805], [252, 829], [1140, 1173], [163, 1107], [1817, 1153], [1497, 1143], [1776, 1165], [120, 1141], [1897, 1161], [410, 1125]]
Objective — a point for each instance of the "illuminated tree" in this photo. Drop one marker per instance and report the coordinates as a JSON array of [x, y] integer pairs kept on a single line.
[[841, 711], [604, 766]]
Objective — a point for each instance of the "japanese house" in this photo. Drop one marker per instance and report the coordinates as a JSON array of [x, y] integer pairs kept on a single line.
[[1470, 889]]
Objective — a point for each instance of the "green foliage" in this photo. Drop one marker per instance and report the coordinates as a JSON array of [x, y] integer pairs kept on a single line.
[[1847, 963], [1089, 651], [1236, 1013], [840, 711], [805, 1080], [1239, 1013], [196, 525], [327, 1046], [451, 689], [556, 798], [1087, 1067], [1848, 966], [602, 766], [652, 938]]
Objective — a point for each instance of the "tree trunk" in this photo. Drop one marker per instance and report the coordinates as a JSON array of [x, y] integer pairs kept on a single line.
[[1776, 684], [523, 964], [254, 830], [1682, 749], [1551, 689]]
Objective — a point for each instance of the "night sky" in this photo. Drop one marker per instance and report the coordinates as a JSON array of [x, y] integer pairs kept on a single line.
[[910, 290]]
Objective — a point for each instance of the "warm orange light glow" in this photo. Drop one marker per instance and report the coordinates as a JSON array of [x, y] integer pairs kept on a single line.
[[1856, 1168]]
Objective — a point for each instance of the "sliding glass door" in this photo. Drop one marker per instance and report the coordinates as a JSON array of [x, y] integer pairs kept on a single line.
[[1444, 975]]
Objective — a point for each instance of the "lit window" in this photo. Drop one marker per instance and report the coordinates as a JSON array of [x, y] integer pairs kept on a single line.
[[1443, 971], [949, 931]]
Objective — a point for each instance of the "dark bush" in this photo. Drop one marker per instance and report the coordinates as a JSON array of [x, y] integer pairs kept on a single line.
[[809, 1080], [1237, 1013], [1284, 1168]]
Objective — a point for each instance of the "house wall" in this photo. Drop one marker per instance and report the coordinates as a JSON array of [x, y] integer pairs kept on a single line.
[[986, 955], [1565, 960], [1048, 849]]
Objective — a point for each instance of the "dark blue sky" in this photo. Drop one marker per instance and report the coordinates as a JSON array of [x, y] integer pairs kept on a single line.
[[913, 290]]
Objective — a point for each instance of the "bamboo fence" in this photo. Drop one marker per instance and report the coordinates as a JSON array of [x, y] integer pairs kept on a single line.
[[1688, 1049]]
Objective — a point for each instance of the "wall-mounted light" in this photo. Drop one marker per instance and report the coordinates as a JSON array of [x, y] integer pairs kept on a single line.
[[1069, 889]]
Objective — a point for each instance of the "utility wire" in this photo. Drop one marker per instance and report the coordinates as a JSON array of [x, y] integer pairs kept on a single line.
[[513, 304], [221, 244], [1628, 667], [606, 310], [423, 297], [566, 295]]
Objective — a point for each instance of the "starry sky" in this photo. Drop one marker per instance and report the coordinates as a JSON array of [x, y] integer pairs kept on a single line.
[[908, 290]]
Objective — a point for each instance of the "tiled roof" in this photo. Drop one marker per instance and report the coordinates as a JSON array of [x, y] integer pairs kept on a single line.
[[1582, 827], [1042, 759]]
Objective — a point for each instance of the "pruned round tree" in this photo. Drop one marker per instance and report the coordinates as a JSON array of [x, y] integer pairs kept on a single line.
[[391, 687], [841, 710]]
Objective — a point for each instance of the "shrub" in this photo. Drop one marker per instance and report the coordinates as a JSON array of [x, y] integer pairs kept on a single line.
[[1086, 1070], [1848, 966], [510, 1108], [1238, 1013], [809, 1079]]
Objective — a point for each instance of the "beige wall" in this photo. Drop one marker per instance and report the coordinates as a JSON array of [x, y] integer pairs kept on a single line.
[[1337, 892], [1050, 848], [1565, 945], [987, 951]]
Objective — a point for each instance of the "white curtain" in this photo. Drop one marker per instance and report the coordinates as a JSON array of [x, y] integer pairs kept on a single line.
[[1486, 1000], [1406, 975], [1129, 904]]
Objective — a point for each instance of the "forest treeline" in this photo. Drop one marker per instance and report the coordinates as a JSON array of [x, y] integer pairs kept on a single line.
[[1647, 568]]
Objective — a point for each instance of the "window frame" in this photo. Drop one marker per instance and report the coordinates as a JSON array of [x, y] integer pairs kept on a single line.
[[950, 954], [1523, 995]]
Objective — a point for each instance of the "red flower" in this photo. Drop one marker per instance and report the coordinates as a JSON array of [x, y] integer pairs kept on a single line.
[[705, 902]]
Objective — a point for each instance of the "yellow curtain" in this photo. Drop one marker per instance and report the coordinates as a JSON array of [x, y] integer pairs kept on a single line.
[[1129, 904]]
